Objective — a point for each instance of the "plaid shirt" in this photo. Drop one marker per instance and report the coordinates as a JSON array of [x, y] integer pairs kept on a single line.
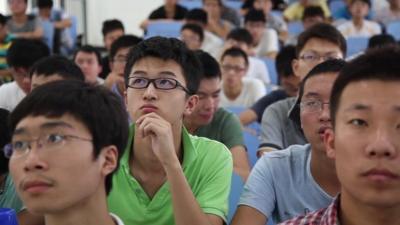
[[326, 216]]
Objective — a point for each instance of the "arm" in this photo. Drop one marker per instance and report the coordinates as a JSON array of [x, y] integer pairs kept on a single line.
[[249, 216], [240, 161], [65, 23], [248, 116], [37, 33]]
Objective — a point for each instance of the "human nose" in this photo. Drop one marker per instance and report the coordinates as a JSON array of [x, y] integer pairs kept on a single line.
[[324, 115], [381, 144], [150, 92], [32, 160]]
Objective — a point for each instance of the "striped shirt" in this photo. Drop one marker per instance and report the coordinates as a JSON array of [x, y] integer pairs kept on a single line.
[[3, 51]]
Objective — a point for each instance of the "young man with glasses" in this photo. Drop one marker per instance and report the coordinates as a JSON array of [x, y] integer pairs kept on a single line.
[[280, 124], [300, 179], [63, 152], [168, 176]]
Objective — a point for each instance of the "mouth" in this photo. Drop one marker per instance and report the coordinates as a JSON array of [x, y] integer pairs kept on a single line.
[[35, 186], [321, 131], [148, 108], [381, 175]]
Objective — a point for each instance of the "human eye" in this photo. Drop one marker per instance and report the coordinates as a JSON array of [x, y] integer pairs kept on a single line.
[[358, 122], [137, 82], [54, 138], [19, 146], [165, 83], [309, 57]]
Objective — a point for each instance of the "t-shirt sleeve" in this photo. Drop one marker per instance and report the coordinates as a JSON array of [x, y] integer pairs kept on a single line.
[[258, 90], [259, 191], [260, 106], [232, 131], [157, 14], [271, 127], [3, 99], [272, 43]]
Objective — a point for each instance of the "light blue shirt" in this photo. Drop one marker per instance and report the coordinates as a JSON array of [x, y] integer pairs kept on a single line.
[[281, 185]]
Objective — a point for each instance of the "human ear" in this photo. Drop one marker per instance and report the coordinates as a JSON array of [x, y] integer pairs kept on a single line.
[[329, 142]]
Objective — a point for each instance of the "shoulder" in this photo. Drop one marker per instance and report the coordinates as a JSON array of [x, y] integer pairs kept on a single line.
[[252, 83], [284, 104], [208, 149], [8, 88], [291, 154]]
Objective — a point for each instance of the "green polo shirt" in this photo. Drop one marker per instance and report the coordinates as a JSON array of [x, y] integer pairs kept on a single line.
[[207, 166]]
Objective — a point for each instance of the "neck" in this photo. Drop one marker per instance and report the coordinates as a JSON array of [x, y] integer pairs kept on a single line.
[[44, 14], [354, 212], [358, 22], [324, 172], [232, 92], [190, 125], [20, 18]]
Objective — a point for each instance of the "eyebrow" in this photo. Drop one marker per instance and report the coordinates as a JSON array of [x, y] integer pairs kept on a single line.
[[47, 125], [215, 92], [311, 94], [162, 73]]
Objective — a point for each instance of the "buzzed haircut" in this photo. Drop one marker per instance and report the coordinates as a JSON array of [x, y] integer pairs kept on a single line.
[[88, 49], [235, 52], [195, 29], [254, 15], [313, 11], [210, 66], [198, 15], [368, 2], [240, 35], [111, 25], [125, 41], [59, 65], [381, 40], [44, 4], [23, 53]]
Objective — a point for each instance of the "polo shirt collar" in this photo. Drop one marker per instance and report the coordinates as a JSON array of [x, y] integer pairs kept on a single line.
[[294, 112]]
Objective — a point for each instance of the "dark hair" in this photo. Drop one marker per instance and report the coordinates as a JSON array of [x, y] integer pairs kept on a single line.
[[380, 64], [100, 110], [236, 52], [219, 2], [313, 11], [209, 64], [240, 35], [5, 138], [168, 49], [111, 25], [381, 40], [368, 2], [323, 31], [57, 65], [198, 15], [44, 4], [195, 29], [3, 20], [283, 61], [254, 15], [24, 53], [125, 41], [88, 49], [26, 1]]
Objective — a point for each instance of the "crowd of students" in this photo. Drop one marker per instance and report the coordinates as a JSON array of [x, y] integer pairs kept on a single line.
[[145, 135]]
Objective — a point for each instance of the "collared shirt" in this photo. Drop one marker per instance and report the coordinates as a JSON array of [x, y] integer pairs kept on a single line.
[[326, 216]]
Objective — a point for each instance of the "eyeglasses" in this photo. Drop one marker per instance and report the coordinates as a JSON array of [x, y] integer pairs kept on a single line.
[[159, 83], [46, 142], [120, 59], [313, 106], [235, 69], [310, 57]]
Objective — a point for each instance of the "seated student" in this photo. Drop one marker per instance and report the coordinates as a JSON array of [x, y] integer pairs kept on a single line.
[[89, 60], [265, 40], [238, 90], [192, 35], [231, 15], [343, 13], [111, 30], [79, 144], [20, 62], [54, 68], [211, 121], [241, 38], [280, 124], [368, 168], [168, 176], [288, 82], [171, 10], [296, 9], [358, 26], [118, 55], [389, 14], [288, 183], [20, 24], [215, 23], [5, 43]]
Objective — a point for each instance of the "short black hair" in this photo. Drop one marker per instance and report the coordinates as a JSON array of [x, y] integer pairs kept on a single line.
[[283, 61], [236, 52], [168, 49], [88, 49], [100, 110], [111, 25], [381, 40], [57, 65], [368, 2], [210, 66], [5, 138], [254, 15], [23, 53], [313, 11], [240, 35], [195, 29], [125, 41], [323, 31], [381, 64], [197, 14], [3, 20], [44, 4]]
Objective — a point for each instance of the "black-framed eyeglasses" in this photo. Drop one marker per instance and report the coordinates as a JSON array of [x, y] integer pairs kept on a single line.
[[313, 106], [159, 83], [313, 57]]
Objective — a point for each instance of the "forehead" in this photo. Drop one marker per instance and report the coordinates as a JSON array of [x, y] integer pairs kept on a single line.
[[321, 46], [235, 60], [188, 31], [115, 33], [209, 85], [153, 66], [85, 55], [320, 85], [123, 51]]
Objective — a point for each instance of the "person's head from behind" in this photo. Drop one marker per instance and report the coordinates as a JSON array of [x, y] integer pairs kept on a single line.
[[315, 45], [312, 15], [264, 5], [234, 64], [213, 8], [197, 16], [254, 22], [89, 60], [64, 133], [161, 71], [119, 52], [111, 30], [365, 106], [359, 8], [283, 63], [18, 7], [192, 35], [21, 55], [54, 68], [315, 90], [208, 92], [3, 27], [381, 40], [239, 38], [5, 138]]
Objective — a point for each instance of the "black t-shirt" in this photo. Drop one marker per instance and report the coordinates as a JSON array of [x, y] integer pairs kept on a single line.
[[160, 13], [105, 64], [260, 106]]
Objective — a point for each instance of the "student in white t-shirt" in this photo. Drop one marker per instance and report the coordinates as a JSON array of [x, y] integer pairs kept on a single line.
[[237, 90]]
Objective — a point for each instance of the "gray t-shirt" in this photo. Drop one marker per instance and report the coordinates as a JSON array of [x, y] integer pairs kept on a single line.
[[281, 185], [280, 125], [29, 26]]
